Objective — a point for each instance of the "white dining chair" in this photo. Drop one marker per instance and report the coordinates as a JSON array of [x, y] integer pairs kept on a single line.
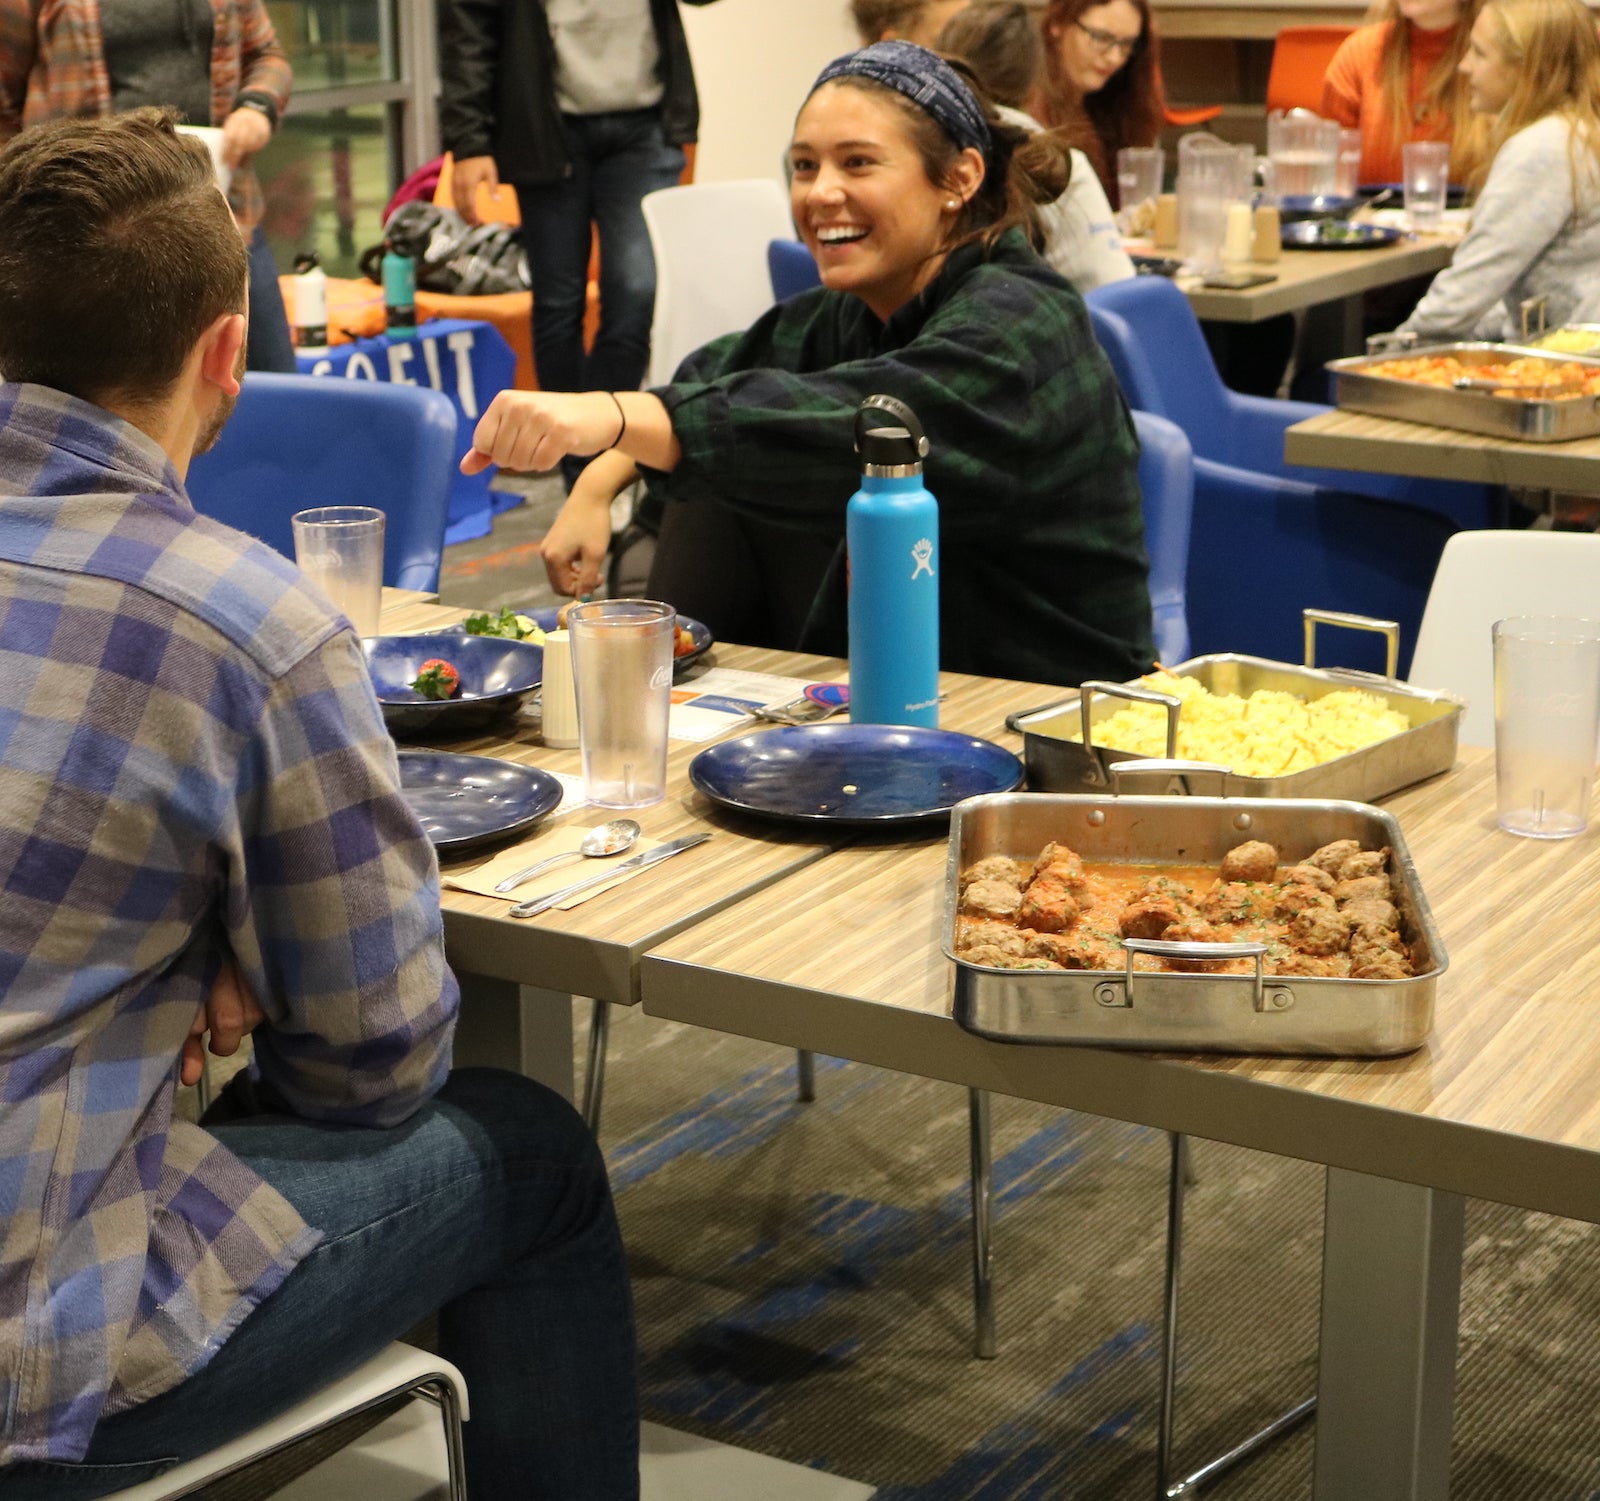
[[710, 242], [1484, 577], [399, 1370]]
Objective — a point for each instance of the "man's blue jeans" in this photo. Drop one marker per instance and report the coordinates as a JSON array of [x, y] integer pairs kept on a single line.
[[616, 160], [490, 1205]]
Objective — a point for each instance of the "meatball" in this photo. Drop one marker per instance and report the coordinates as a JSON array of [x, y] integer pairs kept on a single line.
[[1371, 912], [1361, 887], [1364, 863], [1320, 931], [1060, 949], [1235, 901], [990, 935], [988, 953], [1379, 965], [993, 868], [1149, 917], [1331, 856], [1193, 932], [1047, 905], [990, 898], [1063, 863], [1083, 950], [1330, 967], [1309, 875], [1291, 901], [1253, 861]]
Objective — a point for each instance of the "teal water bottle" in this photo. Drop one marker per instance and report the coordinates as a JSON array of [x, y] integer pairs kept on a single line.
[[399, 293], [892, 538]]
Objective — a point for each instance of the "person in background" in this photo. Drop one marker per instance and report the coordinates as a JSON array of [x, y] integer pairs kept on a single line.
[[202, 829], [584, 106], [918, 205], [999, 40], [1102, 79], [217, 62], [918, 21], [1532, 68], [1399, 79]]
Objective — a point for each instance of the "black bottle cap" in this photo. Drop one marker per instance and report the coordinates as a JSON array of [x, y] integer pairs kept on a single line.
[[894, 439], [306, 261]]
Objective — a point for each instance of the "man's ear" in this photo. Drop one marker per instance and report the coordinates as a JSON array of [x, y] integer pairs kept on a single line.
[[220, 348]]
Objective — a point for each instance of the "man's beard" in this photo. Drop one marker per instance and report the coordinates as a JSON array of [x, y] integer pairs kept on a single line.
[[209, 434]]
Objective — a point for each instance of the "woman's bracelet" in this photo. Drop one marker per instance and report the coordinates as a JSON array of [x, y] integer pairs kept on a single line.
[[621, 431]]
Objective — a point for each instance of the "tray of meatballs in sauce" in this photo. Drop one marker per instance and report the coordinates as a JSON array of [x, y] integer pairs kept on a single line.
[[1193, 924]]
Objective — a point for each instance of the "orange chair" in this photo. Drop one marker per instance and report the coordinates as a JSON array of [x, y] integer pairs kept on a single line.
[[1300, 58]]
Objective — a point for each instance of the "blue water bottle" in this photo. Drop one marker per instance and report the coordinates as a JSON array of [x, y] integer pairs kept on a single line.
[[399, 293], [892, 537]]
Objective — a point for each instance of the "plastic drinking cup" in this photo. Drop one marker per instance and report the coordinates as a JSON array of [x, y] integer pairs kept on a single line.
[[1426, 168], [1546, 723], [557, 693], [622, 670], [1139, 173], [1349, 175], [340, 549]]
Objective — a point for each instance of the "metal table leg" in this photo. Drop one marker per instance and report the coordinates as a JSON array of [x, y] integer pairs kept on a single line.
[[520, 1027], [982, 1224], [1391, 1291], [1178, 1175]]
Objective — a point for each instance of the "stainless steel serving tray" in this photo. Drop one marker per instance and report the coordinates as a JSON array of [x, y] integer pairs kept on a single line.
[[1056, 763], [1189, 1012], [1533, 419]]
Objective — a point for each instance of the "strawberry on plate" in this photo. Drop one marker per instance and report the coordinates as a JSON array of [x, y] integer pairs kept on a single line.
[[437, 679]]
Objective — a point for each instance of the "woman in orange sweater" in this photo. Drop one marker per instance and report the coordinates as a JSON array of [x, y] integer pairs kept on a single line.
[[1398, 81]]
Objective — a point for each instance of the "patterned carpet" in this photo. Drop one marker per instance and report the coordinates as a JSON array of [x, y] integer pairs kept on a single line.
[[802, 1280]]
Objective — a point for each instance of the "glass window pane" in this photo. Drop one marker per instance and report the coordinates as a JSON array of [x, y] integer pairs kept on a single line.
[[327, 176], [332, 43]]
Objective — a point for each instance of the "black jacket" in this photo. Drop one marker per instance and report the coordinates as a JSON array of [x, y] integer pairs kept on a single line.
[[497, 66]]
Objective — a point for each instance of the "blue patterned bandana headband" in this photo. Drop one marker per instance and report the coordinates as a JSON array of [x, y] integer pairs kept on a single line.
[[926, 79]]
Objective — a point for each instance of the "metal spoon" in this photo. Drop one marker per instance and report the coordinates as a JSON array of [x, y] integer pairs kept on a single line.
[[599, 843]]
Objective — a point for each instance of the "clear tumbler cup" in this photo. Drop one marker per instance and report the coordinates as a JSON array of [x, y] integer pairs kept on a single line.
[[340, 549], [622, 669], [1426, 185], [1546, 723]]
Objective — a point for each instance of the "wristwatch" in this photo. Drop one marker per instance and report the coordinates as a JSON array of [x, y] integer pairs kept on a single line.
[[262, 104]]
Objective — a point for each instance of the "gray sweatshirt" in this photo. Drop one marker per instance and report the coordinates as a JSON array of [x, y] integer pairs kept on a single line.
[[1528, 239]]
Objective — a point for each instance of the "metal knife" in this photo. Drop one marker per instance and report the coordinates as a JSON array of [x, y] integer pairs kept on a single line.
[[637, 862]]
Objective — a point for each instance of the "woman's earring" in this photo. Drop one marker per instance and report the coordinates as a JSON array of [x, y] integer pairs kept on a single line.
[[952, 204]]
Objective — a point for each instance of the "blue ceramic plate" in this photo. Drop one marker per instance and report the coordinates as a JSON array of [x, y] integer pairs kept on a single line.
[[546, 621], [1293, 208], [852, 773], [497, 676], [1335, 234], [467, 801]]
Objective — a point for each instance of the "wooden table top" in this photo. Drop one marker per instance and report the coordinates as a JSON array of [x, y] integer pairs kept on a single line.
[[1306, 278], [845, 958], [594, 950], [1385, 445]]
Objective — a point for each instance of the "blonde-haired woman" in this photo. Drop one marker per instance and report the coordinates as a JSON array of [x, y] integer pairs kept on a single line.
[[1533, 66], [1398, 79]]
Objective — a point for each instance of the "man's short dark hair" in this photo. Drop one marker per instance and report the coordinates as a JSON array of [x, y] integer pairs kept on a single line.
[[116, 253]]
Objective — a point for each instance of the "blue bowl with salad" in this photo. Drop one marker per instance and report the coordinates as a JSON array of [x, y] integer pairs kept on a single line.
[[449, 683]]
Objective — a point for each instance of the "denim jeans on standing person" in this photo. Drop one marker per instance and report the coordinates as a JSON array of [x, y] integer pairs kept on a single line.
[[616, 159], [490, 1205], [269, 346]]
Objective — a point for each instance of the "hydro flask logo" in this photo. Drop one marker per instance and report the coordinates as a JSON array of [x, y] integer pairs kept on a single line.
[[922, 556]]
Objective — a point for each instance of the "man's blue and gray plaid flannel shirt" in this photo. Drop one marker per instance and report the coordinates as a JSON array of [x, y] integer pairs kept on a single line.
[[192, 764]]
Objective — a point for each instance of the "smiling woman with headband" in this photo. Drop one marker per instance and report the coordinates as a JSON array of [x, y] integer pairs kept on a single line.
[[918, 203]]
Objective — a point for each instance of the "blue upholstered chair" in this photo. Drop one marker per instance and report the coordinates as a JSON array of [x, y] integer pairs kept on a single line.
[[1269, 539], [297, 441], [1166, 479], [1160, 355], [792, 269]]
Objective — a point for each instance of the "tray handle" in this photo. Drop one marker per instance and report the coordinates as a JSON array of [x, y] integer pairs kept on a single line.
[[1388, 629], [1153, 766], [1265, 998], [1173, 705], [1016, 716]]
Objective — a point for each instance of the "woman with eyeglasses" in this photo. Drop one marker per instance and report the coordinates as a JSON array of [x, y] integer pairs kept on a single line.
[[1103, 82], [1399, 80]]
